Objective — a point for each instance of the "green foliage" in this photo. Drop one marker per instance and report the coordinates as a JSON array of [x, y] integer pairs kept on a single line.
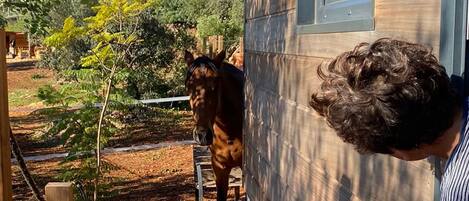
[[66, 36], [22, 97], [37, 76], [18, 26], [66, 58], [65, 96], [68, 55], [148, 83], [77, 126], [77, 132], [173, 12], [100, 77], [38, 11], [152, 55], [3, 21], [78, 9], [157, 66], [209, 26], [211, 17]]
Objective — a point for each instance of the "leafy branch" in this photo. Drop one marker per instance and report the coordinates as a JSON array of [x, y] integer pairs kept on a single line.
[[112, 32]]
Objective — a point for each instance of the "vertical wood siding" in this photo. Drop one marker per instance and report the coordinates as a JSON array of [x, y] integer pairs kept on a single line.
[[290, 153]]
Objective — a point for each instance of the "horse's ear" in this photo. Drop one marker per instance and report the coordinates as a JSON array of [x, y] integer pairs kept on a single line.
[[218, 60], [188, 58]]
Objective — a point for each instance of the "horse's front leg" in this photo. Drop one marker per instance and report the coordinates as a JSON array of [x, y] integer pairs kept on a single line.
[[222, 175]]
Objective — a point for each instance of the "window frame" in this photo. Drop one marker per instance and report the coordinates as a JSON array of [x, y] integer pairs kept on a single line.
[[337, 16]]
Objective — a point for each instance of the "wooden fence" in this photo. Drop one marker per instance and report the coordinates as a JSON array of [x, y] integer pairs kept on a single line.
[[214, 44], [211, 45]]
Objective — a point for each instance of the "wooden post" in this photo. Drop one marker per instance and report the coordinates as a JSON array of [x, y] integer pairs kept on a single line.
[[211, 47], [5, 152], [29, 46], [204, 45], [59, 191], [220, 43], [241, 44]]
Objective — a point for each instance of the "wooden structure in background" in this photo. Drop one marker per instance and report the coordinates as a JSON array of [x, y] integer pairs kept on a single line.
[[237, 58], [59, 191], [5, 153], [215, 45], [290, 152], [211, 45], [22, 46]]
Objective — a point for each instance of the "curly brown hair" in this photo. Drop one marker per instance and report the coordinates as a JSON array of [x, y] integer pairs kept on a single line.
[[388, 94]]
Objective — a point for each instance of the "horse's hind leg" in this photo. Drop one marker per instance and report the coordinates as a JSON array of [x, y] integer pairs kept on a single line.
[[221, 176]]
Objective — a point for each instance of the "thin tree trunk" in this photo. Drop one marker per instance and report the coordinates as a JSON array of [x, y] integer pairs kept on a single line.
[[24, 169], [98, 137]]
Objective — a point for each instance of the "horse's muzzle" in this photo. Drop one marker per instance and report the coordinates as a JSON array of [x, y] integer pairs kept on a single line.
[[203, 137]]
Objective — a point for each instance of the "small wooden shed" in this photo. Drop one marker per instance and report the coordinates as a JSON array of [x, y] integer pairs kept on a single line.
[[19, 42], [290, 153]]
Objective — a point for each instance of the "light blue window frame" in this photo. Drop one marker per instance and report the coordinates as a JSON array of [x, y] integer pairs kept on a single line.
[[329, 16]]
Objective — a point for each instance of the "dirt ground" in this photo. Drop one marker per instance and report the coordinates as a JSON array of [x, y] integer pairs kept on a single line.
[[23, 77], [159, 174], [23, 83], [163, 174]]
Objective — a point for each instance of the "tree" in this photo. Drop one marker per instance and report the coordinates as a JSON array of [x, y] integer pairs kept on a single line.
[[211, 17], [155, 56], [38, 11], [78, 9], [156, 59], [113, 34], [67, 57]]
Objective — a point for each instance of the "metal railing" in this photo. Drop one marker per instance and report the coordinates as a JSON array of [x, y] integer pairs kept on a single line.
[[159, 100]]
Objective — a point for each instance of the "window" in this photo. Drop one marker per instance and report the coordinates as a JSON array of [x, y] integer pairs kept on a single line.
[[327, 16]]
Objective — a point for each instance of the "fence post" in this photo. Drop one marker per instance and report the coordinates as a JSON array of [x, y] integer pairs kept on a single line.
[[241, 44], [220, 43], [5, 152], [204, 45], [59, 191], [212, 46]]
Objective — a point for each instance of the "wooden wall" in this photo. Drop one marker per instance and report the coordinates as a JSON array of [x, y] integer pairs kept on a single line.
[[290, 153]]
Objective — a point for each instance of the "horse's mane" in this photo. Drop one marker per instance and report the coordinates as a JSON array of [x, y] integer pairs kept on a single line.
[[203, 60], [237, 74]]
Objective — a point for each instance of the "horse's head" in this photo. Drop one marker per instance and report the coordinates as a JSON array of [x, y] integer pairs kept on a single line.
[[203, 86]]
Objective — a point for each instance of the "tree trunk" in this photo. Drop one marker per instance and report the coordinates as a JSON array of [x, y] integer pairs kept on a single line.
[[98, 137], [24, 169]]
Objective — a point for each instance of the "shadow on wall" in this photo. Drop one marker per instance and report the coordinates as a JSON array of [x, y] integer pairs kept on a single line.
[[291, 154]]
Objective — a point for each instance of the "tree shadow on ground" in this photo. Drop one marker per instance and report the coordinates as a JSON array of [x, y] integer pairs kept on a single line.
[[156, 126]]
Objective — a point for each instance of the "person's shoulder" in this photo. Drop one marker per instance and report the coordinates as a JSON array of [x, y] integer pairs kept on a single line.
[[456, 184]]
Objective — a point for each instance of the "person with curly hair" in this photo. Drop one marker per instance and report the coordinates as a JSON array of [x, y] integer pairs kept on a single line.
[[394, 97]]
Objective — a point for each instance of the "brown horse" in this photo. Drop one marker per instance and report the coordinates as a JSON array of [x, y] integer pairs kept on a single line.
[[216, 98]]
